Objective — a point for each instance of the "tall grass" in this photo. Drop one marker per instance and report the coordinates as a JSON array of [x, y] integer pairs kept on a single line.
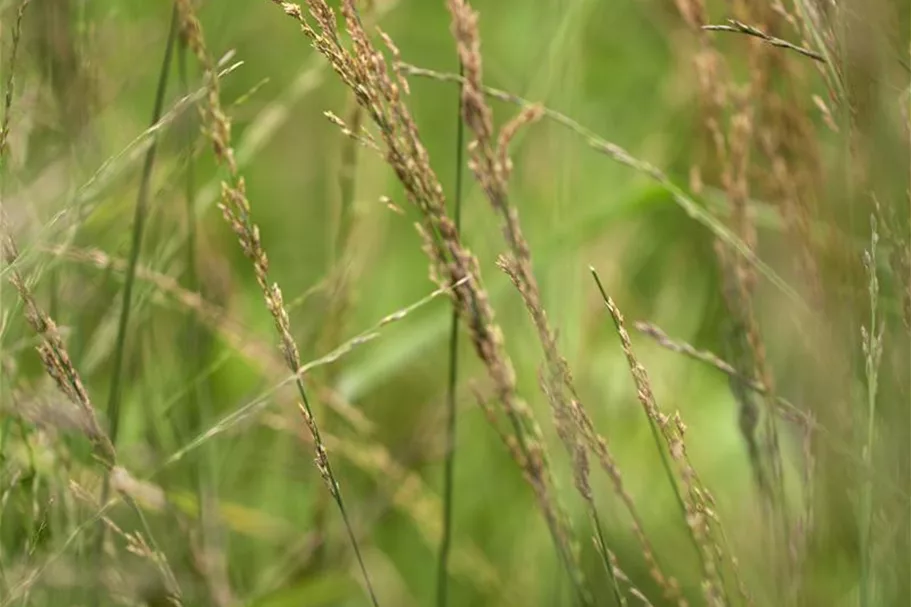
[[749, 194], [452, 385]]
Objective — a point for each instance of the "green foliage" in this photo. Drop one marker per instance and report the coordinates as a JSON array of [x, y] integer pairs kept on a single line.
[[214, 489]]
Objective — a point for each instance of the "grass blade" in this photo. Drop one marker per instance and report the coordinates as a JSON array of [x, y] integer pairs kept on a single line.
[[450, 444], [139, 219]]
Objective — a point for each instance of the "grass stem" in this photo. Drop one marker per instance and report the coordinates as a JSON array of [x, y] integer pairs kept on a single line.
[[450, 440], [139, 220]]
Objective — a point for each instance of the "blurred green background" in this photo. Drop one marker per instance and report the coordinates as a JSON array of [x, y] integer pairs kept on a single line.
[[85, 89]]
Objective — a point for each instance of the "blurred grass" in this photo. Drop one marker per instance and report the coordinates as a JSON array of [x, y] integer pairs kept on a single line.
[[622, 69]]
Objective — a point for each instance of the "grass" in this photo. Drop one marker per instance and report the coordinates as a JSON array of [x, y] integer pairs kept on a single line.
[[739, 180], [452, 386]]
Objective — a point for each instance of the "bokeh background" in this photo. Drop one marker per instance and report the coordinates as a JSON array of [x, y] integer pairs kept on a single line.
[[205, 397]]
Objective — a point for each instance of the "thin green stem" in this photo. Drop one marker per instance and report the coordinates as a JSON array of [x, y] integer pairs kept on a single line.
[[605, 557], [451, 406], [139, 219], [199, 409], [192, 280]]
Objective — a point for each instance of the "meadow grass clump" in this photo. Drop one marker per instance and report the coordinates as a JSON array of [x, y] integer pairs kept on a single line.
[[746, 201]]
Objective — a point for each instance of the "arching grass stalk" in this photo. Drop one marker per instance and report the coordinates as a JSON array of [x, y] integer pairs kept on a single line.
[[381, 92], [692, 497], [688, 204], [236, 210]]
